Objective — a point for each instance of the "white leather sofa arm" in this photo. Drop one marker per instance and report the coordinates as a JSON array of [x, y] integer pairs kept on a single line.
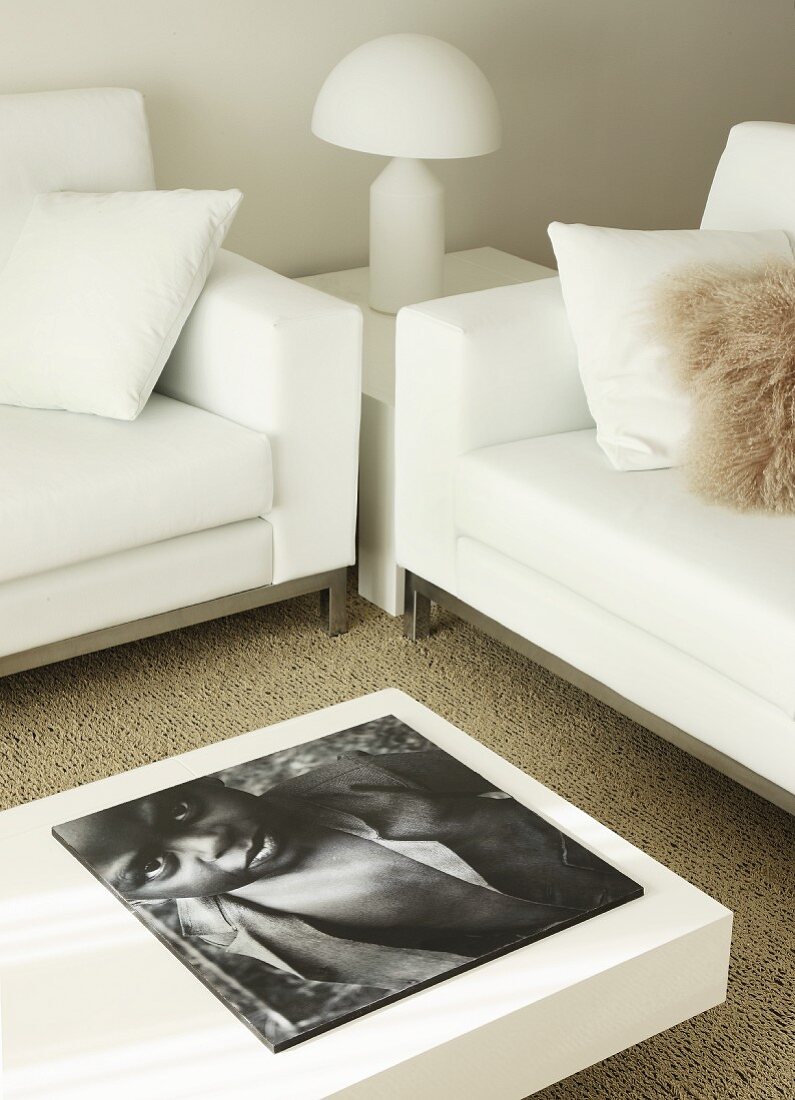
[[474, 370], [283, 359]]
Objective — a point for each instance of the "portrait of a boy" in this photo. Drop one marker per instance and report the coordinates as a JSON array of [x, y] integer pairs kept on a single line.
[[383, 870]]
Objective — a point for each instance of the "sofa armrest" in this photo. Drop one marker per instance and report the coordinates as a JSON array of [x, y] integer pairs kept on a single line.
[[474, 370], [283, 359]]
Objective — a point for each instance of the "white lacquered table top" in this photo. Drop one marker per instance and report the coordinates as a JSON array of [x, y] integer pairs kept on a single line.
[[466, 271], [94, 1006]]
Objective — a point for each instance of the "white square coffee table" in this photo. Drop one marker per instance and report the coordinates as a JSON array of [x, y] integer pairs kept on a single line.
[[93, 1006]]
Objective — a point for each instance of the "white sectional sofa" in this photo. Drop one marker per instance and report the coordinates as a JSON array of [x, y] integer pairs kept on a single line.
[[235, 487], [679, 614]]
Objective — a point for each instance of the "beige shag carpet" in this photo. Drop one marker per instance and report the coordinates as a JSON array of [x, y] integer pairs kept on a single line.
[[104, 713]]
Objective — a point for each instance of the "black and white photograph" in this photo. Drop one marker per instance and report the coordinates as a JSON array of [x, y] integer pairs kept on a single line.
[[317, 883]]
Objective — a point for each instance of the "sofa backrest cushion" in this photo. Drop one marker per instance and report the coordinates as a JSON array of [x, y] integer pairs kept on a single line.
[[94, 139], [754, 184]]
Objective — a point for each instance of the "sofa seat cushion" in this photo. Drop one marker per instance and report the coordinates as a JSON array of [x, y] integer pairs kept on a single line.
[[75, 487], [718, 585]]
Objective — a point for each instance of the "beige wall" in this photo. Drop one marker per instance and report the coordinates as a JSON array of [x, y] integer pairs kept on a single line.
[[615, 111]]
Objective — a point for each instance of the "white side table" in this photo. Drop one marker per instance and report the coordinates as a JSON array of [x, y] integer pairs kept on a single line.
[[380, 580]]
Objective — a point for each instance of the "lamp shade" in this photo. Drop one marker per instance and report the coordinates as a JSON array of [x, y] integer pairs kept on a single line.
[[408, 95]]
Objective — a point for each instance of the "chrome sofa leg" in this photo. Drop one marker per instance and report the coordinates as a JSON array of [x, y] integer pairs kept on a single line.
[[334, 603], [417, 616]]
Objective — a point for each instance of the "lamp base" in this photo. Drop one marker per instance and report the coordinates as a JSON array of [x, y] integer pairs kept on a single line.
[[406, 235]]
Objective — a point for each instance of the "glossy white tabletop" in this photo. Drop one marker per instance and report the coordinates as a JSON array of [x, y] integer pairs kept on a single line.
[[93, 1006]]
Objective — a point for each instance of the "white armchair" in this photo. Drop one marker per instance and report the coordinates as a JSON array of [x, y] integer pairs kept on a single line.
[[678, 614], [235, 487], [474, 370]]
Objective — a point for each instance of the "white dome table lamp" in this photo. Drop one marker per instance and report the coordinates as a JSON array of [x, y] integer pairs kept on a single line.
[[409, 97]]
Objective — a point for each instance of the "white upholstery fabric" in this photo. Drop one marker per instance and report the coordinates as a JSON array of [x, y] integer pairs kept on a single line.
[[96, 291], [717, 585], [103, 522], [691, 589], [637, 665], [76, 487], [753, 184], [473, 370], [133, 584], [283, 359], [94, 139]]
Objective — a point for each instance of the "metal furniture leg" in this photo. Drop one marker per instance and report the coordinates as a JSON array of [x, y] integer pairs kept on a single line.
[[334, 603], [417, 617]]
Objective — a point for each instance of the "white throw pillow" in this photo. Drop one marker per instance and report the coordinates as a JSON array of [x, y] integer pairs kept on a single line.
[[608, 277], [96, 291]]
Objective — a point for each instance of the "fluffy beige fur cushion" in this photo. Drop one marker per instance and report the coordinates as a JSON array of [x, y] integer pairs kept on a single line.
[[733, 338]]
